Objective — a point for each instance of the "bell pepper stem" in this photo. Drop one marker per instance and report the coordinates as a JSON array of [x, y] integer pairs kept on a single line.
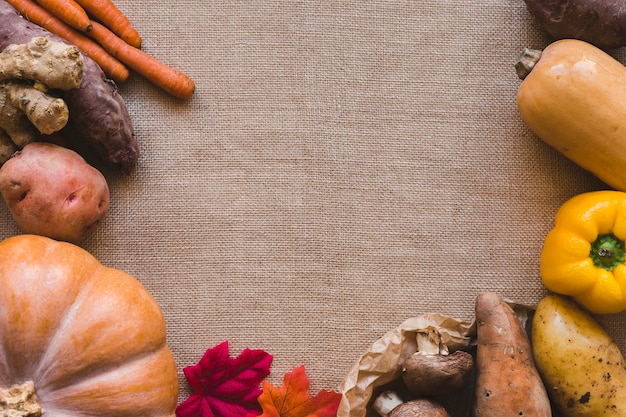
[[607, 251]]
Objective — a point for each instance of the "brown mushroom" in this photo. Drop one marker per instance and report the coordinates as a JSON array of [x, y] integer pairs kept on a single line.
[[432, 371], [421, 407], [427, 374], [390, 404]]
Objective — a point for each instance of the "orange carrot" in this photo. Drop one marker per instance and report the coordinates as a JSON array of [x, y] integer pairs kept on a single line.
[[172, 81], [40, 16], [68, 11], [105, 12]]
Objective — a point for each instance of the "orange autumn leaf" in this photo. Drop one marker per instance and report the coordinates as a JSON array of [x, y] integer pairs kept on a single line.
[[293, 399]]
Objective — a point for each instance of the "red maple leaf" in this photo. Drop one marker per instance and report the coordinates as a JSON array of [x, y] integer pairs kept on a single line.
[[225, 387], [293, 400]]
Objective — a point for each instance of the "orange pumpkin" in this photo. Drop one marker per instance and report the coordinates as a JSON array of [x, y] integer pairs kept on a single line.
[[89, 339]]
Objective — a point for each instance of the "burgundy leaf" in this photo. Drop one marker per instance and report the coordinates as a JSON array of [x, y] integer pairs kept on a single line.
[[223, 386]]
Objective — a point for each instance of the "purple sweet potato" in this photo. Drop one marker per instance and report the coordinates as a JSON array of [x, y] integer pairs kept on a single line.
[[599, 22], [98, 114]]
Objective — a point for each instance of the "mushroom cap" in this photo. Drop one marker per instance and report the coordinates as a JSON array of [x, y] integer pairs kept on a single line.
[[427, 374], [421, 407]]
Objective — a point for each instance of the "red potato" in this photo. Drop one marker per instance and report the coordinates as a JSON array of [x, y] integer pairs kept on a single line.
[[507, 381], [52, 191]]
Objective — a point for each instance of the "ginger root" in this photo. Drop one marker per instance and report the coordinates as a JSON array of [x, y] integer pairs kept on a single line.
[[26, 110], [56, 65], [29, 74], [7, 147]]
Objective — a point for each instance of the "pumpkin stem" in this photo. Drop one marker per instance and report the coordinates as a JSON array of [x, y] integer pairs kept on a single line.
[[20, 401], [526, 61]]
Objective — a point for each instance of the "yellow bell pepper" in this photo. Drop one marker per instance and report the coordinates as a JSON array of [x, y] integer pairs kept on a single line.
[[583, 255]]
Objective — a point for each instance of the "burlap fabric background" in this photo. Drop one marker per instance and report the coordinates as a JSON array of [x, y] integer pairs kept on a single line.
[[342, 166]]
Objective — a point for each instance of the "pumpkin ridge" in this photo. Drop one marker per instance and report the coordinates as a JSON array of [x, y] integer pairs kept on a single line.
[[127, 385], [21, 265], [95, 371], [48, 362], [131, 316]]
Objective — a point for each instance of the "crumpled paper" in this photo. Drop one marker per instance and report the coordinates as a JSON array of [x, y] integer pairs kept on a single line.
[[382, 363]]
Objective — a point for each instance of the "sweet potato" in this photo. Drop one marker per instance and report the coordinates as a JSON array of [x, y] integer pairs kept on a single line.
[[52, 191], [98, 113], [507, 381], [599, 22]]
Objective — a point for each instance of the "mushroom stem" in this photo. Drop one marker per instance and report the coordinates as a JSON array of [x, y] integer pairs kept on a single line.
[[429, 342], [386, 402]]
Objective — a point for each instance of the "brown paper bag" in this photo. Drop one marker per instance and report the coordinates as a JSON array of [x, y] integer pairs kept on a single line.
[[382, 363]]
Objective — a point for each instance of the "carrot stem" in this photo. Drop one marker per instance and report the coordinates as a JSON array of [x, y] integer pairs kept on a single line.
[[105, 12], [167, 78], [68, 11], [40, 16]]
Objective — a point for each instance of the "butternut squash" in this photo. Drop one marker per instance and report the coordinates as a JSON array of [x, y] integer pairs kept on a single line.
[[573, 97]]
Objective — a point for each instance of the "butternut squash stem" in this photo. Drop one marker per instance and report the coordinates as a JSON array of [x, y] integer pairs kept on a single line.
[[526, 61]]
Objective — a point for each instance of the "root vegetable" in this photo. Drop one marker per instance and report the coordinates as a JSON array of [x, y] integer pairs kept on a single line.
[[581, 365], [14, 123], [105, 12], [165, 77], [56, 65], [47, 64], [98, 113], [40, 16], [507, 381], [69, 11], [7, 147], [51, 191], [46, 113], [602, 23]]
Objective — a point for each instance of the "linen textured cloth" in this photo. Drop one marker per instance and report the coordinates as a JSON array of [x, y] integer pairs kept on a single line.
[[342, 166]]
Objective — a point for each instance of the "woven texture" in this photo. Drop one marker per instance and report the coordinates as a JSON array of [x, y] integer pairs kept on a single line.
[[342, 166]]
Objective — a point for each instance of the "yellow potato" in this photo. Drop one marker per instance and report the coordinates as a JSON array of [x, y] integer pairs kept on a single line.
[[582, 367]]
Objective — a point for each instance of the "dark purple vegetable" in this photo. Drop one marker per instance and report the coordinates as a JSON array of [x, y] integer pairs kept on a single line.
[[599, 22], [98, 114]]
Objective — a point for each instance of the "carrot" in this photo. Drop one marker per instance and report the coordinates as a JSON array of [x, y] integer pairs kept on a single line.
[[507, 381], [40, 16], [110, 16], [68, 11], [167, 78]]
